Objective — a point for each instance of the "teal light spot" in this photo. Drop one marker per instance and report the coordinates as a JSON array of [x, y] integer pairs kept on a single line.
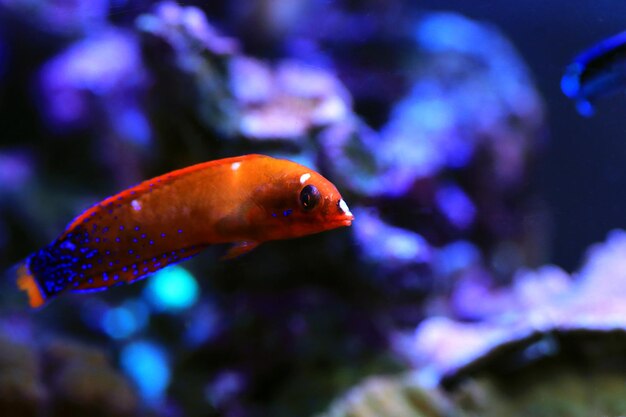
[[172, 288], [147, 365]]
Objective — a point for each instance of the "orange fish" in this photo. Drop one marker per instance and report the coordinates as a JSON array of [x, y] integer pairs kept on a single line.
[[245, 200]]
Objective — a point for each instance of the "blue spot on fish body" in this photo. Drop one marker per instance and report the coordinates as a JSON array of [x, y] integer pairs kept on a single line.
[[68, 245]]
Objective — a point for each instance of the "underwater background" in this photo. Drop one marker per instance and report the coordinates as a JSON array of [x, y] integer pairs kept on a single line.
[[483, 274]]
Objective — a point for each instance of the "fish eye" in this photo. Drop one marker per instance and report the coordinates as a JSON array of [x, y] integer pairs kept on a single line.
[[309, 197]]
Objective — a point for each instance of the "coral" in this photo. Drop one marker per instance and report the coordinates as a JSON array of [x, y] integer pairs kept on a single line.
[[557, 388], [544, 314], [188, 62], [232, 94], [81, 381], [449, 164], [60, 379], [391, 397], [286, 102], [22, 394], [99, 77]]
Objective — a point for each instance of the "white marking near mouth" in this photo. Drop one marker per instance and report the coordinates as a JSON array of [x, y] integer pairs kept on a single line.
[[235, 166], [304, 178], [344, 207]]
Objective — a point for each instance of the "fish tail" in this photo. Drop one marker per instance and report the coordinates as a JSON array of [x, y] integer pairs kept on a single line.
[[27, 282]]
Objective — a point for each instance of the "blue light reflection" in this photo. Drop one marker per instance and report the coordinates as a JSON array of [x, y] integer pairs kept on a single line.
[[125, 320], [146, 364]]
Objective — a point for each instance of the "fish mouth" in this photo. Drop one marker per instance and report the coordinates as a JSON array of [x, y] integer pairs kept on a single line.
[[342, 221]]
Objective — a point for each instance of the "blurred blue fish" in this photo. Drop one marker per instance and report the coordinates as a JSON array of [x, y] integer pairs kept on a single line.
[[597, 72]]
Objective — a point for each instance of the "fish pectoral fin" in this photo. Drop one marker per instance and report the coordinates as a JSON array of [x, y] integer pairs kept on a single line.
[[239, 249]]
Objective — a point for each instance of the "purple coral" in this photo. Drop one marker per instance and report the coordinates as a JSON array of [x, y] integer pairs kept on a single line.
[[542, 301], [186, 28], [99, 77], [389, 246], [288, 101]]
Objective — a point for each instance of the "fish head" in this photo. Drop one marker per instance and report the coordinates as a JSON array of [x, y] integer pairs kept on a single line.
[[301, 203]]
